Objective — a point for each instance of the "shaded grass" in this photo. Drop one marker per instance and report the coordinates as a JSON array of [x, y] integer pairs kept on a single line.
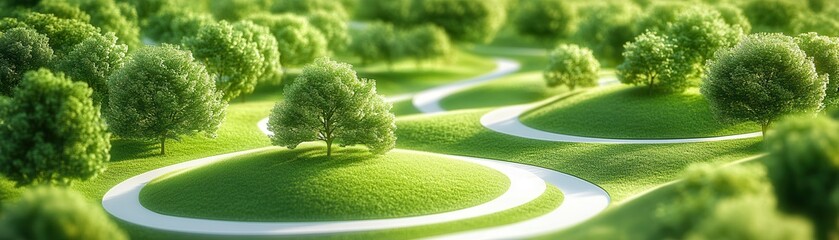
[[304, 185], [515, 89], [620, 169], [629, 112], [539, 206]]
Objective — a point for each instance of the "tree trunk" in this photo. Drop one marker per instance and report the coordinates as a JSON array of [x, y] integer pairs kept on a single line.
[[162, 145], [650, 87], [329, 148], [763, 128]]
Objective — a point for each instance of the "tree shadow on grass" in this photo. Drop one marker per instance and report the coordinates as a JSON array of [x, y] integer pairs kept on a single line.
[[128, 149]]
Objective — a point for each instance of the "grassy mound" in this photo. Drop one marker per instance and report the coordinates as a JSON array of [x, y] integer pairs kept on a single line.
[[304, 185], [629, 112]]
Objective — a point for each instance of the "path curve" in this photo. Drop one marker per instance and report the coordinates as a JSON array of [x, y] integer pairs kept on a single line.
[[506, 120], [428, 101]]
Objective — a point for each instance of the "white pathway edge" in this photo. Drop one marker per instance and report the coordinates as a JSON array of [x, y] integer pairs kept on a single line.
[[428, 101]]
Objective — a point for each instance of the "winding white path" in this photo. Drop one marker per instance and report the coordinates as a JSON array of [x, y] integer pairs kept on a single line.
[[428, 101]]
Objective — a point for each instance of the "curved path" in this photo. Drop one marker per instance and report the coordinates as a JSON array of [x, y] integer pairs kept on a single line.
[[506, 120], [428, 101]]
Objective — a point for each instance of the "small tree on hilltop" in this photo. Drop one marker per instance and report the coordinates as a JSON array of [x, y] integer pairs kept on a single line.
[[268, 47], [825, 54], [545, 20], [427, 42], [233, 60], [572, 66], [803, 166], [52, 132], [328, 102], [163, 93], [648, 60], [764, 77]]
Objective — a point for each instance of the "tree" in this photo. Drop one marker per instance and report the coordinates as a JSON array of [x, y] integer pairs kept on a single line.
[[606, 29], [734, 16], [62, 9], [469, 21], [822, 24], [774, 15], [63, 34], [397, 12], [749, 218], [234, 10], [333, 27], [163, 93], [546, 20], [427, 42], [649, 60], [306, 7], [698, 34], [21, 50], [233, 60], [377, 42], [53, 133], [56, 213], [803, 167], [328, 102], [701, 190], [299, 41], [762, 78], [93, 61], [572, 66], [656, 17], [172, 25], [109, 17], [268, 47], [825, 54]]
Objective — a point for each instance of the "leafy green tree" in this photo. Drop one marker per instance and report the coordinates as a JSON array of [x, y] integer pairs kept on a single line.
[[649, 60], [774, 15], [546, 20], [21, 50], [761, 79], [333, 27], [656, 17], [698, 34], [234, 10], [52, 133], [328, 102], [803, 166], [377, 42], [470, 21], [572, 66], [63, 34], [306, 7], [427, 42], [233, 60], [825, 54], [750, 218], [819, 23], [172, 25], [109, 17], [299, 41], [606, 28], [93, 61], [703, 187], [62, 9], [45, 213], [734, 16], [163, 93], [268, 47], [397, 12], [148, 8]]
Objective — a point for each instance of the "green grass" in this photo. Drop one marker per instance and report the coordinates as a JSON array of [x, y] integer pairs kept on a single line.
[[515, 89], [629, 112], [304, 185], [622, 170]]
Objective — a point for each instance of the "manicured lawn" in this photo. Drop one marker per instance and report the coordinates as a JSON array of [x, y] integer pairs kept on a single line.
[[515, 89], [304, 185], [630, 112], [622, 170]]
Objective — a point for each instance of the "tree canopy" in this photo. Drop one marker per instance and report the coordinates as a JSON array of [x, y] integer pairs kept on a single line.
[[376, 42], [426, 42], [546, 20], [825, 54], [56, 213], [21, 50], [63, 34], [606, 28], [649, 60], [93, 61], [470, 21], [267, 47], [328, 102], [333, 28], [803, 166], [233, 60], [52, 132], [572, 66], [163, 93], [299, 41], [172, 25], [761, 79]]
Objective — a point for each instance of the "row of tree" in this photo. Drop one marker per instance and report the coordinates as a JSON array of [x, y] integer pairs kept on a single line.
[[382, 42]]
